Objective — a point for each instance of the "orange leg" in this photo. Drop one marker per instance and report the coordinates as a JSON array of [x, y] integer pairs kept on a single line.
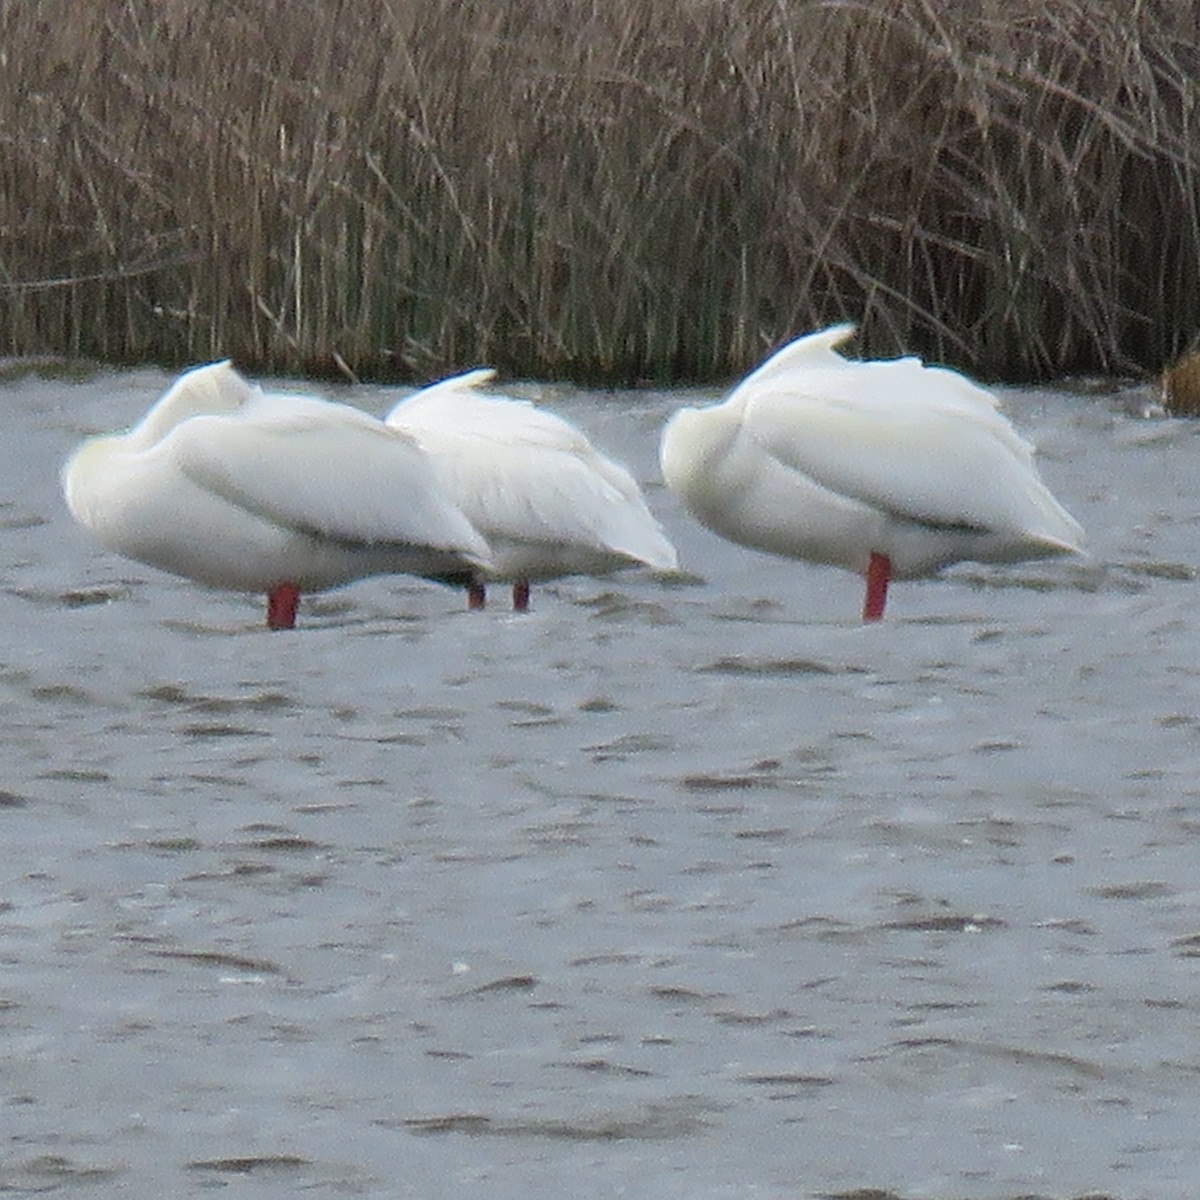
[[521, 595], [476, 596], [282, 602], [878, 573]]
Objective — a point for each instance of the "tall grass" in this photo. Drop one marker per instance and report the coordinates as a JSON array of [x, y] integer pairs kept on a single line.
[[614, 190]]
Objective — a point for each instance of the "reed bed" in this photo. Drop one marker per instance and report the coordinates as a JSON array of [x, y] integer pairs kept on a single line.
[[604, 191]]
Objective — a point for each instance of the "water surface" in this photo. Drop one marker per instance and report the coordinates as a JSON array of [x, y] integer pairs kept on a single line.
[[691, 888]]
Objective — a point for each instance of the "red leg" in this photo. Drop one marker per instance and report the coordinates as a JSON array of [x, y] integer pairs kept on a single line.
[[521, 595], [878, 573], [282, 602], [476, 596]]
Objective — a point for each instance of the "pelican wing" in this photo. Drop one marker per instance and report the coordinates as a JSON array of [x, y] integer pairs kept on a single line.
[[530, 494], [922, 443], [326, 469], [523, 473]]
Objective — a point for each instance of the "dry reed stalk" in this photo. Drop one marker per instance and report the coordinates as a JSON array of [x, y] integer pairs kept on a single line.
[[614, 191], [1180, 387]]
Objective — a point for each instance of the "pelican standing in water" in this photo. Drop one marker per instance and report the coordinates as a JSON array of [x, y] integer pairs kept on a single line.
[[234, 488], [890, 468], [547, 502]]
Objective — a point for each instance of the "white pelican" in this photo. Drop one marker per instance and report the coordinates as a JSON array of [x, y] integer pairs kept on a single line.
[[888, 468], [546, 500], [281, 494]]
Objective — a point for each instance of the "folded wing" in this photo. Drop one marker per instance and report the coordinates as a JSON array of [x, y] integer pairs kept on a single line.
[[922, 443], [326, 469], [524, 474]]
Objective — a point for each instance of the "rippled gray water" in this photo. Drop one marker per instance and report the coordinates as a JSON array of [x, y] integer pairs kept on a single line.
[[663, 890]]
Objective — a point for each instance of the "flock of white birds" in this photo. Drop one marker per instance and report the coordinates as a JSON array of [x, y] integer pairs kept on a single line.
[[887, 468]]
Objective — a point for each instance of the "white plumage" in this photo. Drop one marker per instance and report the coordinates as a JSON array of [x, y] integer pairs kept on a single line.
[[547, 502], [282, 494], [888, 468]]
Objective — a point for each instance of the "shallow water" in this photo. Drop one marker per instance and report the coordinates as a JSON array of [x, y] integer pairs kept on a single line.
[[690, 889]]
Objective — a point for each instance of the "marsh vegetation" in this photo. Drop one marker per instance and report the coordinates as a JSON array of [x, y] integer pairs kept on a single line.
[[613, 191]]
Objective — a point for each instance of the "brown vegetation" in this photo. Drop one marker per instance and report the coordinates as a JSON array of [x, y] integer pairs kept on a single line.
[[1179, 386], [600, 190]]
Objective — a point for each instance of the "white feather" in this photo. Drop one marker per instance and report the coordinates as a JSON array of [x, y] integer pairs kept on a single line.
[[821, 458], [545, 499], [233, 488]]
